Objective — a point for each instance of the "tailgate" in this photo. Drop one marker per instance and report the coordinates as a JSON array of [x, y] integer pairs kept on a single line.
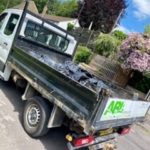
[[115, 112]]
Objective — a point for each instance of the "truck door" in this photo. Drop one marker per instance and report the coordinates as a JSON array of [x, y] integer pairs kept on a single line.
[[8, 23]]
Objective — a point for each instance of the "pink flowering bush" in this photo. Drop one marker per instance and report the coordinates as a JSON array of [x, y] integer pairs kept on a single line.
[[135, 53]]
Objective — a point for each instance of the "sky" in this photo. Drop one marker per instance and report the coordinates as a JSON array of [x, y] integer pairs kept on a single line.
[[137, 16]]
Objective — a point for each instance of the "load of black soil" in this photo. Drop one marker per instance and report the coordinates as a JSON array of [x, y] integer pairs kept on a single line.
[[83, 77], [73, 71]]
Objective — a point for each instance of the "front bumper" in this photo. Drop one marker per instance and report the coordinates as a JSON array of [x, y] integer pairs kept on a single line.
[[99, 142]]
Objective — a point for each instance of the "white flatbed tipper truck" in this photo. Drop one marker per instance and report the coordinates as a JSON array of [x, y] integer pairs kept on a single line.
[[33, 52]]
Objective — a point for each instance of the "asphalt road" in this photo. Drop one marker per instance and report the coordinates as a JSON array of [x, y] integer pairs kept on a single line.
[[13, 136]]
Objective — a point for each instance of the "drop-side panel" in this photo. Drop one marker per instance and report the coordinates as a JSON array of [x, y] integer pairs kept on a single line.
[[114, 112]]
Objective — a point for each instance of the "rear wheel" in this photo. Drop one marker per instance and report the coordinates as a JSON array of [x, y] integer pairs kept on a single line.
[[36, 116]]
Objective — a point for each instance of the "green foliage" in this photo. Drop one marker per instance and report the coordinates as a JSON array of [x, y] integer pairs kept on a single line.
[[13, 3], [103, 13], [2, 7], [147, 75], [106, 45], [147, 29], [40, 4], [83, 54], [65, 9], [140, 82], [119, 35], [70, 27], [143, 85], [53, 6], [8, 4]]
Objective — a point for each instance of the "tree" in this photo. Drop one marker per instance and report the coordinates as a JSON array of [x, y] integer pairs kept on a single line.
[[14, 3], [53, 6], [101, 13], [11, 3], [2, 7], [8, 3], [40, 4], [65, 9], [135, 53]]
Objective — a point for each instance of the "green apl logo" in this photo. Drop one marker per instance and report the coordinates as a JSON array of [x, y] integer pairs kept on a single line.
[[115, 107]]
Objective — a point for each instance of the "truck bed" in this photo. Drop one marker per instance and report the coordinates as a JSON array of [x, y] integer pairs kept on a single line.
[[71, 93], [60, 63]]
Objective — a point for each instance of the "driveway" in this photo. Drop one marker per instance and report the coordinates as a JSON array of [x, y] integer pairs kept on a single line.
[[13, 136]]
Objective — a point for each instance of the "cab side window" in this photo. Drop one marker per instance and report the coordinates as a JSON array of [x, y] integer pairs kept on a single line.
[[2, 19], [12, 22]]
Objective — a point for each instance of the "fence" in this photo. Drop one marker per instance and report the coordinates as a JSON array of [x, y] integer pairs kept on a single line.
[[108, 70]]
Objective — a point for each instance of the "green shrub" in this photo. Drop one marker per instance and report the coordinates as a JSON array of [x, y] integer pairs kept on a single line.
[[140, 82], [119, 35], [70, 27], [143, 85], [106, 45], [147, 75], [83, 54]]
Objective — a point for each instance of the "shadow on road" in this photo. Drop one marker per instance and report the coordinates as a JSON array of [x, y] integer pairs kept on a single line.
[[55, 139]]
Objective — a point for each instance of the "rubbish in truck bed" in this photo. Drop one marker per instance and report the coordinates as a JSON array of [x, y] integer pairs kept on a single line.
[[83, 77], [73, 71]]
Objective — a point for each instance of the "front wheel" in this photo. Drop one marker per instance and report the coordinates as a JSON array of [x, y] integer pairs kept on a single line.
[[36, 116]]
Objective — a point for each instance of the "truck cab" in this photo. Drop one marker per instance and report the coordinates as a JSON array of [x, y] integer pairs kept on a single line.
[[9, 21], [34, 28]]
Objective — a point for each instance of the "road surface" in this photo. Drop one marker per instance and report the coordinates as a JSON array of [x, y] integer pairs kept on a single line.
[[13, 136]]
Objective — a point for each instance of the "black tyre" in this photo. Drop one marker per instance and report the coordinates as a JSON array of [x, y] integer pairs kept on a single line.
[[36, 116]]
